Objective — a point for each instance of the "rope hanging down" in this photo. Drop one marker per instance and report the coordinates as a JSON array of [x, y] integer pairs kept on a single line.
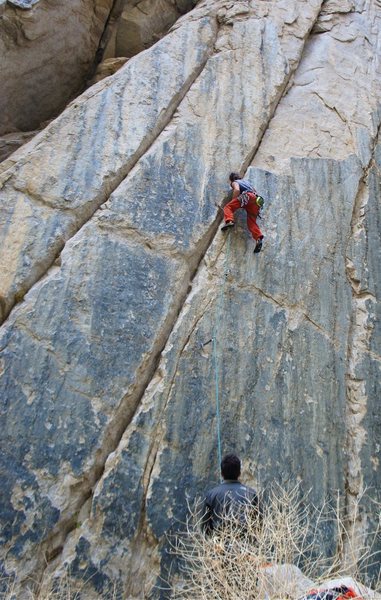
[[215, 351]]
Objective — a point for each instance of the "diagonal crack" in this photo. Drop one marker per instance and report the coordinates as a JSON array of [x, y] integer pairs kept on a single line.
[[284, 89], [55, 541], [109, 186], [157, 437], [293, 309]]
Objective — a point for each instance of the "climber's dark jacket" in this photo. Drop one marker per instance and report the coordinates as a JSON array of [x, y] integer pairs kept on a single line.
[[229, 498]]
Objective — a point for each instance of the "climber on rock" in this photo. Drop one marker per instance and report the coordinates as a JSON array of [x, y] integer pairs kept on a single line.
[[244, 196], [230, 498]]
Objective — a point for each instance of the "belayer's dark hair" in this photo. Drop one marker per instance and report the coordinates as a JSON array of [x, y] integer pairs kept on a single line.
[[230, 466], [234, 176]]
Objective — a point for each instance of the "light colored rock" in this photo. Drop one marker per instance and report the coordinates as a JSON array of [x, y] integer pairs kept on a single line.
[[12, 141], [101, 136], [51, 46], [286, 581], [113, 337], [332, 109], [108, 67], [140, 23]]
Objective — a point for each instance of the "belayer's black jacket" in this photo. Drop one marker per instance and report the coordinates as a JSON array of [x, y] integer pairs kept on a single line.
[[224, 500]]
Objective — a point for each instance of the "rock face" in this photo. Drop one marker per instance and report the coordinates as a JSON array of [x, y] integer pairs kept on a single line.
[[135, 25], [108, 67], [47, 50], [114, 278], [12, 141]]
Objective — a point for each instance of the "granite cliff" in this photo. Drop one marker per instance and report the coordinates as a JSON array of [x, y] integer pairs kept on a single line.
[[114, 274]]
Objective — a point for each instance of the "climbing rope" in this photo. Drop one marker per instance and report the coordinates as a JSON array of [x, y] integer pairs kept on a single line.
[[215, 350]]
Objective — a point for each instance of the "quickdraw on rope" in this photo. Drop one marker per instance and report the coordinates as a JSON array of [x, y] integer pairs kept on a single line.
[[215, 351]]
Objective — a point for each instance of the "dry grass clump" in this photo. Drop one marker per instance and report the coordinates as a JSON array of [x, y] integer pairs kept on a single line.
[[278, 555]]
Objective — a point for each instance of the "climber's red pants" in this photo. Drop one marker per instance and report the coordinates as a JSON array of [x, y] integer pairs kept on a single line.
[[252, 211]]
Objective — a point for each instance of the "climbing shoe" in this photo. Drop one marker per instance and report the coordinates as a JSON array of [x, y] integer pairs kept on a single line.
[[258, 246], [227, 225]]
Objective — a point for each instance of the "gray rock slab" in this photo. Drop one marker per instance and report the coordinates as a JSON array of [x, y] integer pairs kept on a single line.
[[99, 138], [89, 324], [88, 380], [282, 387], [307, 218], [85, 363]]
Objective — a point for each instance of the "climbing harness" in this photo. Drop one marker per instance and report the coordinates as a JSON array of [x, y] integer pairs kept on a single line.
[[244, 199], [215, 351]]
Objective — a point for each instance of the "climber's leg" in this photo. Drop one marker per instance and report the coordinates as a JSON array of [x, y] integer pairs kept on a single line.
[[252, 211], [253, 226], [229, 211]]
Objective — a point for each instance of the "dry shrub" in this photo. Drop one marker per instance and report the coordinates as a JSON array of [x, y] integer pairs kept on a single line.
[[235, 563], [260, 560]]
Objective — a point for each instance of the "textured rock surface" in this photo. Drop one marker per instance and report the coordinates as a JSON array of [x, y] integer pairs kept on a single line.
[[108, 67], [26, 4], [100, 141], [111, 425], [135, 25], [12, 141], [51, 47]]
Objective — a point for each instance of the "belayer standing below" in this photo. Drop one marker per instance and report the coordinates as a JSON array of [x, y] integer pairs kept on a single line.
[[244, 196], [228, 500]]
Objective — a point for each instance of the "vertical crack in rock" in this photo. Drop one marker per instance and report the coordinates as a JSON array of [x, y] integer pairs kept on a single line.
[[288, 82], [144, 539], [113, 16], [356, 409]]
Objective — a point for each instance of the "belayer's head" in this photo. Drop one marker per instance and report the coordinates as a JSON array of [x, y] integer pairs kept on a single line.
[[230, 467]]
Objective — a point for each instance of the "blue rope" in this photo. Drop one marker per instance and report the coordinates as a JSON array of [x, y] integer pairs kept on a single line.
[[218, 414], [215, 354]]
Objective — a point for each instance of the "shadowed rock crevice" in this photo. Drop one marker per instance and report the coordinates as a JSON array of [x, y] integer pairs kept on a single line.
[[135, 26], [70, 58], [100, 189], [51, 46]]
